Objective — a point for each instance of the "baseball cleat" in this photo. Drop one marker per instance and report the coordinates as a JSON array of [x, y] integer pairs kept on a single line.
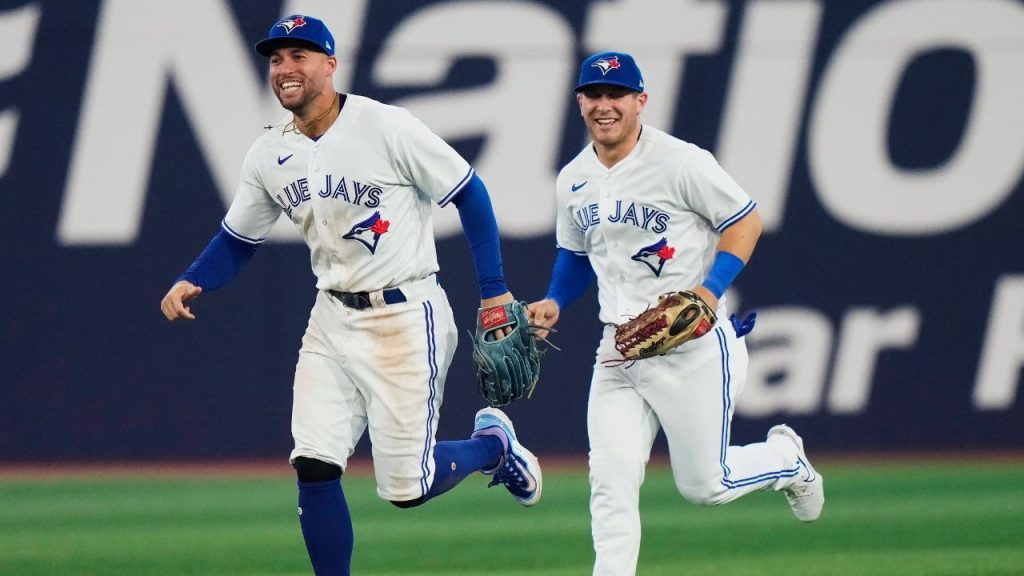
[[518, 469], [806, 495]]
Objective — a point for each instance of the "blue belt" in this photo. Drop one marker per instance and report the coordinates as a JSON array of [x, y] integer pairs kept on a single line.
[[361, 300]]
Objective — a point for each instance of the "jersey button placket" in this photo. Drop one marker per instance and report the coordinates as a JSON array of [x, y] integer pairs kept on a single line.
[[606, 205], [611, 237], [314, 168]]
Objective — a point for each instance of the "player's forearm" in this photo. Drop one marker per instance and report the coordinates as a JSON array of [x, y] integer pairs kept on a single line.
[[220, 262], [741, 238], [734, 250], [481, 231], [570, 277]]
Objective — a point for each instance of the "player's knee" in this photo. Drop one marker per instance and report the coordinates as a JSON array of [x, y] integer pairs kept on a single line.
[[700, 498], [704, 495], [313, 470], [409, 503]]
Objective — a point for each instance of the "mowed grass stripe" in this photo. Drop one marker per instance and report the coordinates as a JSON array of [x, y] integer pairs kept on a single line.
[[887, 518]]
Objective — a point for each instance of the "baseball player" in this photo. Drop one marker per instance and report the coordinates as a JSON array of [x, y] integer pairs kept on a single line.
[[647, 214], [358, 178]]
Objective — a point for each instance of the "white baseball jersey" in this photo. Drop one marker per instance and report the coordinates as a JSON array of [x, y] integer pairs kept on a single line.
[[361, 194], [651, 223]]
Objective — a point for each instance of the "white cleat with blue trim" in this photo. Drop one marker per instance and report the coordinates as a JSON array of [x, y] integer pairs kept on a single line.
[[518, 469], [806, 494]]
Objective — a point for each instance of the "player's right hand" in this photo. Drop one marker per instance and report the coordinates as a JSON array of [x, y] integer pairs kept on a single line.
[[173, 305], [544, 314]]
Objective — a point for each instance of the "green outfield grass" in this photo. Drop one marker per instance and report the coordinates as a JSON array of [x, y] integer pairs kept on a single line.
[[880, 519]]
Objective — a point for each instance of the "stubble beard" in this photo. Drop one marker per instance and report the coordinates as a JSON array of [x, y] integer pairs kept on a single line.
[[309, 95], [296, 106]]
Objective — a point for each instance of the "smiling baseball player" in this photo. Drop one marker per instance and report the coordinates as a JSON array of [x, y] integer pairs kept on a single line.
[[649, 215], [359, 179]]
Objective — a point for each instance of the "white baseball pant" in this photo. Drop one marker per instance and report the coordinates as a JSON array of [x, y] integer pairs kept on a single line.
[[384, 368], [690, 393]]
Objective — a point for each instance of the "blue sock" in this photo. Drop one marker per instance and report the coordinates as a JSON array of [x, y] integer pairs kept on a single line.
[[455, 460], [326, 527]]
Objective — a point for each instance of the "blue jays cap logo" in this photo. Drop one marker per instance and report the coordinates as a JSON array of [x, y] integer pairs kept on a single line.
[[597, 68], [291, 23], [607, 64], [369, 231], [297, 28], [655, 255]]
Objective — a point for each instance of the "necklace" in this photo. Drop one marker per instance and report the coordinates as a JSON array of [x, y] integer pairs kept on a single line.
[[296, 123]]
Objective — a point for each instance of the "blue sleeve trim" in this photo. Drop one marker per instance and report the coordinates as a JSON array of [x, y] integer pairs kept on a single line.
[[576, 252], [737, 216], [481, 231], [726, 268], [570, 277], [230, 230], [458, 188], [220, 262]]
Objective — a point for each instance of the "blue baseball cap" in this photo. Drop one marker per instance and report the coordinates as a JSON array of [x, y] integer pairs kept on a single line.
[[297, 28], [616, 68]]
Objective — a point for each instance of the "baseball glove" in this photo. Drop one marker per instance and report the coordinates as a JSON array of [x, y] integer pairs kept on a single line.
[[679, 317], [507, 368]]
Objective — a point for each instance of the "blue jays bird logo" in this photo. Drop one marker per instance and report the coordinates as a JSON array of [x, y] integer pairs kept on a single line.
[[607, 64], [291, 23], [369, 231], [659, 252]]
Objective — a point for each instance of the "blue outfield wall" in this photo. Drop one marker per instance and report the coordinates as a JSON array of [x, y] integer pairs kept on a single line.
[[883, 140]]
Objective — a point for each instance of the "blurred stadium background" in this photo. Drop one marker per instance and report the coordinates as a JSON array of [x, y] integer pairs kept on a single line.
[[883, 140]]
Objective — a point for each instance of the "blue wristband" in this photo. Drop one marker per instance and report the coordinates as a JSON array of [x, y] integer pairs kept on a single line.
[[726, 268]]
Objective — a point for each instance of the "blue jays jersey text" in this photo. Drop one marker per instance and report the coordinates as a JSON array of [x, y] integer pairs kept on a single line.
[[638, 215], [353, 192]]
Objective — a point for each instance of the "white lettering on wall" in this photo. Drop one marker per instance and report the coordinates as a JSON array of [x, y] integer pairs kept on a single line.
[[518, 113], [848, 150], [866, 333], [789, 354], [762, 113], [165, 47], [17, 35], [1002, 357], [141, 49], [665, 33]]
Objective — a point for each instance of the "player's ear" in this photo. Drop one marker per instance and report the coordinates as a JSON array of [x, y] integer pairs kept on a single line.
[[641, 102], [332, 64], [579, 101]]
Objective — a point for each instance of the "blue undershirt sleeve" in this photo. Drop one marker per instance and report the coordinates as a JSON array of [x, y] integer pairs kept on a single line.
[[570, 277], [481, 231], [220, 262]]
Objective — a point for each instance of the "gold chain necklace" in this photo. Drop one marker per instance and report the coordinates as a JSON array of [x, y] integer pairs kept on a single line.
[[295, 123]]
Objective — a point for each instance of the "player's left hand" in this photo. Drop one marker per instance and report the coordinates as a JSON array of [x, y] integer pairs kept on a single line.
[[677, 318], [508, 367], [499, 300]]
